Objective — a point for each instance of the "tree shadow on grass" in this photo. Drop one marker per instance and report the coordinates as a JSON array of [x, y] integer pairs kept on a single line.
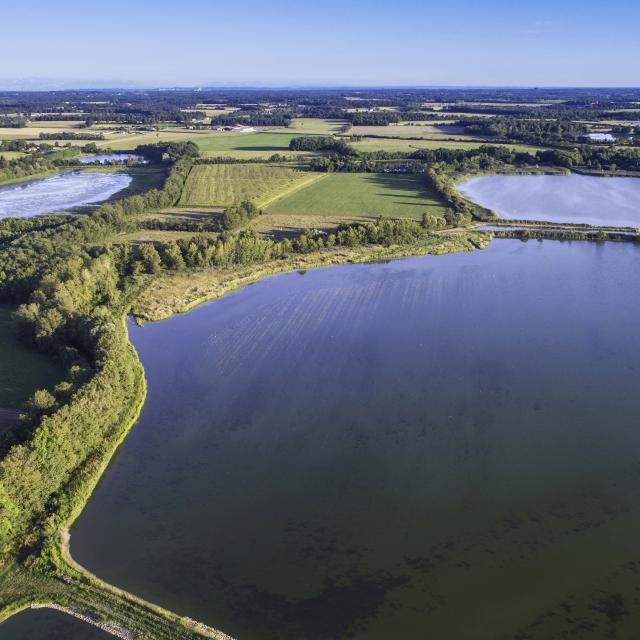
[[408, 186], [274, 149]]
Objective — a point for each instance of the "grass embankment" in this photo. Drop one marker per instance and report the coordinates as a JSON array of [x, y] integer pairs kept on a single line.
[[223, 185], [180, 293], [57, 581], [393, 195]]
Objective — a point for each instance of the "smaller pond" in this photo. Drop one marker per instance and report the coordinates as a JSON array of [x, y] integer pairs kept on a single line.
[[601, 137], [574, 198], [113, 158], [61, 192]]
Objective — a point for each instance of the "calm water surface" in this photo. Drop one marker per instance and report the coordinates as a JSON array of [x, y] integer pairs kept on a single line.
[[43, 624], [602, 137], [439, 447], [573, 198], [59, 193], [110, 158]]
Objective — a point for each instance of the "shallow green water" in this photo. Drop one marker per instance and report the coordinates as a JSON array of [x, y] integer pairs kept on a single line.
[[439, 447], [22, 369]]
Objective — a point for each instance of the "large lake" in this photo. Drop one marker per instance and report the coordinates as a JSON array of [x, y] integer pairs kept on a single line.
[[60, 192], [438, 447], [573, 198]]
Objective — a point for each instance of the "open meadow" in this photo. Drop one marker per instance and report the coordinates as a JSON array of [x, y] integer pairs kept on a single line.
[[220, 185], [311, 126], [362, 194], [406, 130], [407, 146]]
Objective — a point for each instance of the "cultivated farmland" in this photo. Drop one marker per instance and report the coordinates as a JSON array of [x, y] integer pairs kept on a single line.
[[247, 145], [221, 185], [362, 194]]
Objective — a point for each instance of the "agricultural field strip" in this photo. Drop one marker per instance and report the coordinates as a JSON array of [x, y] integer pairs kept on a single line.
[[223, 185]]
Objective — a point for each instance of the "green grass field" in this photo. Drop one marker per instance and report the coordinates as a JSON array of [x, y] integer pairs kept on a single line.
[[427, 131], [220, 185], [247, 145], [392, 145], [361, 194], [310, 126], [22, 369]]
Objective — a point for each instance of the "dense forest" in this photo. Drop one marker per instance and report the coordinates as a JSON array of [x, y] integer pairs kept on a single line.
[[534, 131]]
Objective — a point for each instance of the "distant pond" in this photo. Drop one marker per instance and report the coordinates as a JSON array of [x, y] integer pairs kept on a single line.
[[573, 198], [112, 158], [60, 192], [601, 137], [437, 447]]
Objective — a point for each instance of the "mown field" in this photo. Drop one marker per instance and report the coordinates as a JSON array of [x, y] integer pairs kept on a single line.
[[393, 145], [221, 185], [428, 131], [361, 194], [309, 126], [247, 145]]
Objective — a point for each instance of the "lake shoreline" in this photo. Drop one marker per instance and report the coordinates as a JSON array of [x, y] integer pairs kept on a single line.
[[174, 293]]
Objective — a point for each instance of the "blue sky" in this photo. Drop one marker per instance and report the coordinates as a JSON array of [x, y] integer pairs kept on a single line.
[[396, 42]]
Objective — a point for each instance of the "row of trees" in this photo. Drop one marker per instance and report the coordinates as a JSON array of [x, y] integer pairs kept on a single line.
[[34, 163], [321, 143], [71, 135], [226, 249], [533, 130], [13, 122]]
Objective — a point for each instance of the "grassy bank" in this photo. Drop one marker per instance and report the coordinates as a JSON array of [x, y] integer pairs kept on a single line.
[[34, 176], [180, 293]]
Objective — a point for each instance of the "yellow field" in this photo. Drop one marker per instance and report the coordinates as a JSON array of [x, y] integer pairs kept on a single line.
[[29, 133], [12, 155], [221, 185], [403, 145]]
